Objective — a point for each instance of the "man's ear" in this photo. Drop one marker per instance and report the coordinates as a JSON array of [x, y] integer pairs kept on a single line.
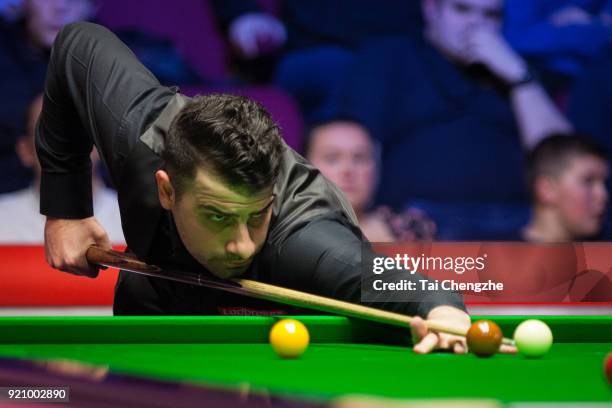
[[546, 190], [165, 191]]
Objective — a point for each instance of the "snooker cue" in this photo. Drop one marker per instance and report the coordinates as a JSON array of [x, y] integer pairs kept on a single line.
[[109, 258]]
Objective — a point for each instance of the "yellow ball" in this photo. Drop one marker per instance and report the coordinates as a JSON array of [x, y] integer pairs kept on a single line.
[[289, 338]]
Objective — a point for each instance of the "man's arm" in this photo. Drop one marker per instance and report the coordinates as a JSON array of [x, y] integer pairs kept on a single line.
[[93, 82], [326, 257], [536, 114]]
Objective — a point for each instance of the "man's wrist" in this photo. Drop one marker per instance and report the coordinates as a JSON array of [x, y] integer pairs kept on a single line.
[[447, 310], [527, 77]]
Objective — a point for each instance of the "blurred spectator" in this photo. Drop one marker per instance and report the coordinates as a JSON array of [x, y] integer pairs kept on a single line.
[[590, 110], [346, 154], [310, 43], [567, 176], [24, 51], [559, 36], [19, 211], [454, 112]]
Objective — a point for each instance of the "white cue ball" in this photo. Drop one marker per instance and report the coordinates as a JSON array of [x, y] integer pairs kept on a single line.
[[533, 338]]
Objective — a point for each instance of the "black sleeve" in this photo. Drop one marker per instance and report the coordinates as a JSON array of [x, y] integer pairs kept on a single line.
[[326, 257], [92, 81]]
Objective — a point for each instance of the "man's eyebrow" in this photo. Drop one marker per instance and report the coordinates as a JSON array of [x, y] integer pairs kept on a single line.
[[214, 209], [218, 211]]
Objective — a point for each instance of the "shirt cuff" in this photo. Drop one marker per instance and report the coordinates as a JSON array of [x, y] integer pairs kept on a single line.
[[440, 298], [66, 196]]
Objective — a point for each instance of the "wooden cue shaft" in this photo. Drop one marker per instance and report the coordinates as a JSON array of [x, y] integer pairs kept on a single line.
[[102, 257]]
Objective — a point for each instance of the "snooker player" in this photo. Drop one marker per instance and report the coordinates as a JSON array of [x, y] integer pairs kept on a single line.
[[204, 184]]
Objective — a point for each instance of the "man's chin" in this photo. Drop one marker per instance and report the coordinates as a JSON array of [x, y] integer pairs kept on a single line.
[[228, 273]]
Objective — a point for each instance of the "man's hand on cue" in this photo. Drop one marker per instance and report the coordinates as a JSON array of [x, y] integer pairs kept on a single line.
[[426, 341], [67, 241]]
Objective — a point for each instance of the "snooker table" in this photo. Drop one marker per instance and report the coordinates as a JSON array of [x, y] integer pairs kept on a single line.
[[346, 356]]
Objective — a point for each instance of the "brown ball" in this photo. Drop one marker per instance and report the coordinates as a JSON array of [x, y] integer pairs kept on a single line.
[[484, 338]]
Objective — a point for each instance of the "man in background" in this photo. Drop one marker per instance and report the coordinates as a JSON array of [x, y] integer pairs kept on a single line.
[[20, 217], [454, 112], [25, 43]]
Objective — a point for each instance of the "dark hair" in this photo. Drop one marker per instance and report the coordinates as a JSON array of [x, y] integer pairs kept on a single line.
[[313, 127], [552, 154], [232, 135]]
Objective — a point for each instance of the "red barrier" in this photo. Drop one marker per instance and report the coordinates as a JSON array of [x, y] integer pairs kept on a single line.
[[27, 280]]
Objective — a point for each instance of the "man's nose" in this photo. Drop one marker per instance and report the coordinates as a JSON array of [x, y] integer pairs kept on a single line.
[[476, 19], [241, 243], [346, 172]]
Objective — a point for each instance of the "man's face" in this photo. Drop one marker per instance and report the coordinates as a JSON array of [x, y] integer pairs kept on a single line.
[[345, 154], [45, 18], [221, 228], [449, 22], [581, 195]]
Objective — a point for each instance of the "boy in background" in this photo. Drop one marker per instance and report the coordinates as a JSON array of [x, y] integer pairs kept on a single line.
[[567, 178]]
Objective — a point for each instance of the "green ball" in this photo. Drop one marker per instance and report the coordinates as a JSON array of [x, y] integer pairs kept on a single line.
[[533, 338]]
